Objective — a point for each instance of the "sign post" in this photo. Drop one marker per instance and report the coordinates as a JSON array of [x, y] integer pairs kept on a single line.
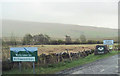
[[101, 49], [33, 68], [20, 66], [24, 54]]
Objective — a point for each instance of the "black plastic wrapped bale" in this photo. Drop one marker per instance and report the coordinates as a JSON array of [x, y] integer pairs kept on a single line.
[[101, 49]]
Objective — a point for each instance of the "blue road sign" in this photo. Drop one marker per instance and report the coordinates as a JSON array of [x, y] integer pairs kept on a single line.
[[108, 42]]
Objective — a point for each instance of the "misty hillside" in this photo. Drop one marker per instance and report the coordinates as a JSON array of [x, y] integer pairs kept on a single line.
[[54, 30]]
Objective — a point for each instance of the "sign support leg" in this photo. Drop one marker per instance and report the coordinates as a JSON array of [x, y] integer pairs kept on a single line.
[[33, 68], [20, 66]]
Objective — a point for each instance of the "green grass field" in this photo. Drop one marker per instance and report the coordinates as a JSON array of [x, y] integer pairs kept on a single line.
[[53, 68]]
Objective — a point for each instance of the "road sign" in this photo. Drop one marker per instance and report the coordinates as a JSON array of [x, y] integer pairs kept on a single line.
[[108, 42], [101, 49], [110, 47], [23, 54]]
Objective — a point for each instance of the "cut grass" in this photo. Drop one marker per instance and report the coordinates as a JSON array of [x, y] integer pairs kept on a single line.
[[53, 68]]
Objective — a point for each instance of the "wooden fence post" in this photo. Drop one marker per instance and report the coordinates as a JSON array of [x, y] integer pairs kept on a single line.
[[58, 58], [61, 57], [44, 60], [79, 54], [70, 56]]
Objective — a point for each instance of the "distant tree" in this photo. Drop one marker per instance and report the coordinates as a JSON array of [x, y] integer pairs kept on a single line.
[[54, 42], [68, 39], [61, 42], [3, 42], [77, 41], [83, 38], [41, 39], [46, 39], [12, 40], [27, 39], [90, 41], [99, 42], [94, 42], [118, 40]]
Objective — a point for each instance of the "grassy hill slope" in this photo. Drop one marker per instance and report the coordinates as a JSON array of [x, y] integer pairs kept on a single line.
[[54, 30]]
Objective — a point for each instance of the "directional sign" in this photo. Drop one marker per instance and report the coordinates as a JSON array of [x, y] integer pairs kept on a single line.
[[23, 54], [108, 42]]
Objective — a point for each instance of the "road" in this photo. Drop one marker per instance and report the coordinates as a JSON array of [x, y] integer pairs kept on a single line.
[[103, 66]]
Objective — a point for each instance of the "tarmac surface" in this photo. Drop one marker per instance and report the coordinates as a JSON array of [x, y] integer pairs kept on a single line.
[[103, 66]]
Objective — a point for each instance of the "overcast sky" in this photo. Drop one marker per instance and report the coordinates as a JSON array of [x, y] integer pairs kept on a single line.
[[97, 13]]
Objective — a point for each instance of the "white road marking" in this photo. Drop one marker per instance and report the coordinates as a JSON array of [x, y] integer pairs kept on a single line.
[[102, 70], [116, 66]]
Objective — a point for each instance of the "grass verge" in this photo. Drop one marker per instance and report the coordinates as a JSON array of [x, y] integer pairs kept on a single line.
[[52, 68]]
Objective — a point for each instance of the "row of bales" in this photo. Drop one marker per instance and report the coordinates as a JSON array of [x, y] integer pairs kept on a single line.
[[45, 59]]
